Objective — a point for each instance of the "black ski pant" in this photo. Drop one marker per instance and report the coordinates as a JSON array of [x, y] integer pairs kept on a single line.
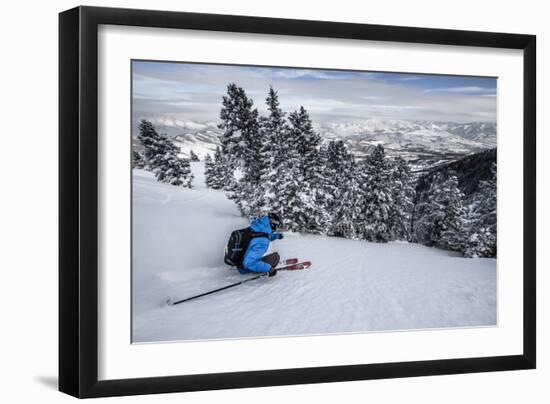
[[272, 259]]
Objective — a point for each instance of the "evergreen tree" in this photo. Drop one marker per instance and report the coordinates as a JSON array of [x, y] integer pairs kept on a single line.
[[306, 141], [283, 182], [289, 198], [347, 208], [174, 171], [239, 141], [311, 161], [275, 150], [215, 170], [193, 156], [339, 168], [452, 236], [441, 216], [288, 194], [137, 160], [403, 196], [161, 156], [376, 197], [273, 128], [483, 220], [271, 135], [155, 145], [208, 170], [149, 138], [241, 144], [342, 187], [481, 243], [231, 137]]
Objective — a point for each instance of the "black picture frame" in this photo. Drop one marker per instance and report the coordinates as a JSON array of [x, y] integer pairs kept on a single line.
[[78, 201]]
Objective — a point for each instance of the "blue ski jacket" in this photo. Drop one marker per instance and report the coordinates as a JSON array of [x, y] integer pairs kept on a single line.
[[258, 246]]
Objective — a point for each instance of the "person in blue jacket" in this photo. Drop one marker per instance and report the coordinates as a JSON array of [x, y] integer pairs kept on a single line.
[[254, 259]]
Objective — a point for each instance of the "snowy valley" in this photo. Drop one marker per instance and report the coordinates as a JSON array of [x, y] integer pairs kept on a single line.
[[422, 143]]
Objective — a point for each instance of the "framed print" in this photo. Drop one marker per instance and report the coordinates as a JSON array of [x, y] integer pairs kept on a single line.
[[250, 201]]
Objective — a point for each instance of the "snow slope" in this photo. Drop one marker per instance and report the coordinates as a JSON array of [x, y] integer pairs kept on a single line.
[[353, 286]]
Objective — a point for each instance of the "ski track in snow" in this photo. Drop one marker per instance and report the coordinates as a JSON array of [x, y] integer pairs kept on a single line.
[[353, 286]]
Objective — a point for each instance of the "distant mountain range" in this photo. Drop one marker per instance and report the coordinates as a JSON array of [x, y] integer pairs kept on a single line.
[[423, 143], [202, 143], [420, 142]]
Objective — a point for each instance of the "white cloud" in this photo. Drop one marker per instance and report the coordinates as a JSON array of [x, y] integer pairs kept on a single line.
[[465, 90], [374, 97], [396, 107], [192, 94], [300, 73]]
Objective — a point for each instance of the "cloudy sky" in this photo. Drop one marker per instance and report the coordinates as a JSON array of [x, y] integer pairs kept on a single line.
[[187, 97]]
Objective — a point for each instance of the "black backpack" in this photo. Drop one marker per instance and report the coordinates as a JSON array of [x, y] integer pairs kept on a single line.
[[237, 245]]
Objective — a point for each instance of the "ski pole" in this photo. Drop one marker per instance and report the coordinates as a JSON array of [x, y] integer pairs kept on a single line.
[[216, 290]]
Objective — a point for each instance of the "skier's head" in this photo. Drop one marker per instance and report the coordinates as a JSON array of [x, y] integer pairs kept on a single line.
[[274, 221]]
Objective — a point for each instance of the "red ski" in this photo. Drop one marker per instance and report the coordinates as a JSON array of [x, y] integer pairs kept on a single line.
[[295, 267], [289, 261]]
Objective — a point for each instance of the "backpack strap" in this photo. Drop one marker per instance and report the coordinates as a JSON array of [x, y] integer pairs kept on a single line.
[[255, 234]]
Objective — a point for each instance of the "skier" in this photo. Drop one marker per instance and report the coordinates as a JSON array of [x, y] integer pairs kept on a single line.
[[254, 259]]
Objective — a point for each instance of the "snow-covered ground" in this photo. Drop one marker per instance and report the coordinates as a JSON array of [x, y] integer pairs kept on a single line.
[[353, 286]]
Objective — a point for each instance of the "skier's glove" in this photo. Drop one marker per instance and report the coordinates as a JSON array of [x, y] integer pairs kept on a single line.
[[272, 272], [281, 235]]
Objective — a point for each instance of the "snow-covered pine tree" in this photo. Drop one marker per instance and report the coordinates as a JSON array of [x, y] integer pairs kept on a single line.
[[161, 156], [428, 215], [481, 243], [175, 171], [231, 138], [483, 220], [318, 177], [208, 170], [403, 197], [311, 162], [241, 145], [346, 210], [288, 196], [342, 186], [272, 128], [286, 191], [215, 170], [271, 136], [154, 145], [452, 235], [276, 150], [441, 217], [307, 142], [376, 197], [248, 191], [240, 127], [193, 156], [339, 168], [315, 218], [137, 160]]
